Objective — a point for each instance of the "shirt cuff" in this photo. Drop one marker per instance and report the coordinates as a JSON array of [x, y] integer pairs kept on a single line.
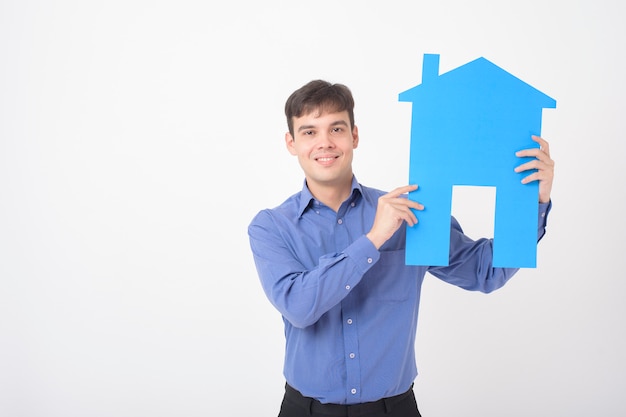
[[544, 209], [363, 253]]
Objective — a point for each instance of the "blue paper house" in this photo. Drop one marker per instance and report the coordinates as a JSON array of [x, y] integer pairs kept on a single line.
[[467, 125]]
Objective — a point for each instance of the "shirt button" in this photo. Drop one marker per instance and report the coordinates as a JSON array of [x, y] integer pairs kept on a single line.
[[352, 355], [543, 214], [369, 260], [353, 391], [340, 221], [347, 287], [349, 321]]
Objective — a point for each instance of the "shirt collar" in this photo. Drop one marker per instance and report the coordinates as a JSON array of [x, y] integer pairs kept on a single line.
[[306, 198]]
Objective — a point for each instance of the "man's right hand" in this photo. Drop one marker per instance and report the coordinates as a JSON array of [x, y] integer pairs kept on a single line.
[[393, 209]]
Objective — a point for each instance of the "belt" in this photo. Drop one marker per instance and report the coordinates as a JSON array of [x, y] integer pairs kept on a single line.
[[313, 406]]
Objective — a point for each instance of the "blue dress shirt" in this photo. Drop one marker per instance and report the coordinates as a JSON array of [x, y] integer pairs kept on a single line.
[[350, 311]]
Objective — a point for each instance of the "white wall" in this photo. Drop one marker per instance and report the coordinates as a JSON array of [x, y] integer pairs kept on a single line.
[[138, 139]]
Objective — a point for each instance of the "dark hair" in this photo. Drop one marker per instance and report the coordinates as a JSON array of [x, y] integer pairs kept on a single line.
[[322, 96]]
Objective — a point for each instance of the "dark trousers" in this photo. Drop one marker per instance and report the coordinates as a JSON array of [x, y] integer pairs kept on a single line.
[[296, 405]]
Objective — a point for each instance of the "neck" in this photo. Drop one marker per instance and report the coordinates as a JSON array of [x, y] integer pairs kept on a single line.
[[331, 195]]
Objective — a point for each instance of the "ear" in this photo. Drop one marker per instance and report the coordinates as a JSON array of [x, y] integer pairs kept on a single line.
[[289, 142], [355, 137]]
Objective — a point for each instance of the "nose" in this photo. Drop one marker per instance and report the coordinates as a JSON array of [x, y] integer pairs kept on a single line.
[[325, 141]]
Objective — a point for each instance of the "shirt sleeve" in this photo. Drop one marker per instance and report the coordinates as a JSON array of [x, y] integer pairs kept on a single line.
[[301, 294], [544, 210], [470, 265]]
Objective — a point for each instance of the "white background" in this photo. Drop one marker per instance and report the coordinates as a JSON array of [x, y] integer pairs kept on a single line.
[[139, 138]]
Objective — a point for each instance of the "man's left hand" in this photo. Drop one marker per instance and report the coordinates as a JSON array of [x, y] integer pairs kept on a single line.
[[543, 164]]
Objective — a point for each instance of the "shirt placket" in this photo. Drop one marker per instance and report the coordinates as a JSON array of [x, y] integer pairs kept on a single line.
[[348, 315]]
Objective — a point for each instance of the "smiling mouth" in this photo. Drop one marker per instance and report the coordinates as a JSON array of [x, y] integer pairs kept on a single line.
[[326, 159]]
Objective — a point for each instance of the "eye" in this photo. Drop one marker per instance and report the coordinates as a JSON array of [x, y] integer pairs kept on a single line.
[[307, 132], [337, 130]]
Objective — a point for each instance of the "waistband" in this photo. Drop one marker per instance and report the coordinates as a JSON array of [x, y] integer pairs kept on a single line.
[[314, 406]]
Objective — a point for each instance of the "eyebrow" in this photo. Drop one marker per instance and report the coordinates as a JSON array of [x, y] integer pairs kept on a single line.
[[337, 123]]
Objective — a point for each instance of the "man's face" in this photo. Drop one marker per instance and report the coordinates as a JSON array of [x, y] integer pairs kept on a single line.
[[324, 145]]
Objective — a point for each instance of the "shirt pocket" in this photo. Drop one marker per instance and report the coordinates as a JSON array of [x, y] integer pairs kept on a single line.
[[390, 279]]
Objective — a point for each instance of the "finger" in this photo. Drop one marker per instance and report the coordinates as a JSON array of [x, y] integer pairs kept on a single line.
[[536, 164], [537, 154], [541, 141], [402, 190], [545, 174], [415, 205], [532, 152], [408, 216], [536, 176], [411, 219], [544, 146], [401, 201], [543, 149]]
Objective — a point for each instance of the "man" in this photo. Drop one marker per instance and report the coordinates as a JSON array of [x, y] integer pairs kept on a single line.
[[331, 260]]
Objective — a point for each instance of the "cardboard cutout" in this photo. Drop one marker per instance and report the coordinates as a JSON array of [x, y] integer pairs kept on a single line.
[[466, 126]]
